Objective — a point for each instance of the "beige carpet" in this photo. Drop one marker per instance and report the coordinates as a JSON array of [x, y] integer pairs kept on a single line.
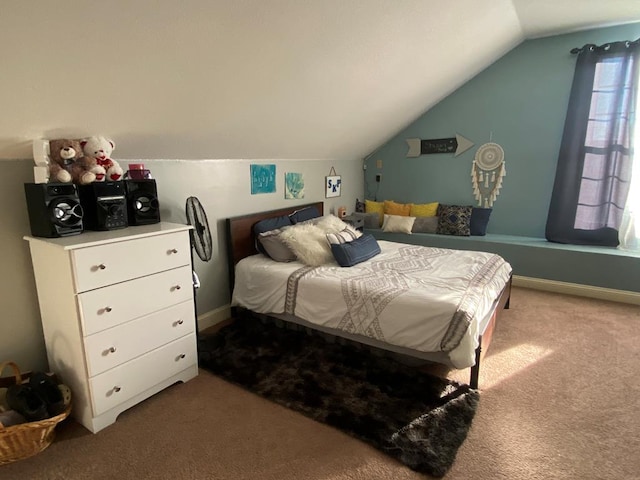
[[560, 400]]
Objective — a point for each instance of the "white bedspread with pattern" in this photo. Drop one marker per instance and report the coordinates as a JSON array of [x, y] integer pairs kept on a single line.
[[420, 298]]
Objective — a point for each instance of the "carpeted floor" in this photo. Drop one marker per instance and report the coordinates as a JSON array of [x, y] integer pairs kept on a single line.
[[419, 419], [560, 392]]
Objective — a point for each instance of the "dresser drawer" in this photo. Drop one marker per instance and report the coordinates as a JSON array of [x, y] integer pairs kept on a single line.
[[110, 306], [116, 262], [117, 345], [132, 378]]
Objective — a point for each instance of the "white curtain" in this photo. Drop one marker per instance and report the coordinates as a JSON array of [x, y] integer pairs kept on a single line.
[[629, 234], [630, 229]]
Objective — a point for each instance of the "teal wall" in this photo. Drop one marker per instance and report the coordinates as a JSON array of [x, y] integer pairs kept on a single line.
[[519, 102]]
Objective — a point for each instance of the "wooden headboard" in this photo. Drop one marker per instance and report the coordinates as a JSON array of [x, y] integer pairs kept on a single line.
[[241, 240]]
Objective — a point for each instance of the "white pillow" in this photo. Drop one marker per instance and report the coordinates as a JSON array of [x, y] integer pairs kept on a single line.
[[331, 224], [397, 223], [309, 244]]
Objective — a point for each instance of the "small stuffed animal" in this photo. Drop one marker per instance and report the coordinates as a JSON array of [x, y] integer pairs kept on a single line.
[[99, 149], [68, 164]]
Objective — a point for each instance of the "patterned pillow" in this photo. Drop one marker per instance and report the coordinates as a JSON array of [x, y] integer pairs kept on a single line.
[[377, 207], [454, 220], [394, 208], [349, 234], [424, 209]]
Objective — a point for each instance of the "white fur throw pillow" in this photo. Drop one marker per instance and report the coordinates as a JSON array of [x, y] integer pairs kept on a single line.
[[309, 243], [331, 224], [397, 223]]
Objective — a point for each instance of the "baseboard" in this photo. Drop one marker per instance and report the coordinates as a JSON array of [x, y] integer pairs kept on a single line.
[[601, 293], [214, 317]]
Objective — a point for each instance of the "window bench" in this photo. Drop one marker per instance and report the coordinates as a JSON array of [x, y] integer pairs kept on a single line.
[[536, 258]]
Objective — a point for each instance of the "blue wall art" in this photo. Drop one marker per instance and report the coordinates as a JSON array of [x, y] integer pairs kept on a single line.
[[263, 179], [293, 185]]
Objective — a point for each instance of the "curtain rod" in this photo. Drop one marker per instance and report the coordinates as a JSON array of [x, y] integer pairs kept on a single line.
[[606, 46]]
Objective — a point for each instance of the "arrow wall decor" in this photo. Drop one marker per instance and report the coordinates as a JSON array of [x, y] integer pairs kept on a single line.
[[455, 145]]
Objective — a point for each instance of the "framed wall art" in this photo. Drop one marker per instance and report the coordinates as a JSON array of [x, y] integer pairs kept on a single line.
[[263, 179], [332, 184], [293, 185]]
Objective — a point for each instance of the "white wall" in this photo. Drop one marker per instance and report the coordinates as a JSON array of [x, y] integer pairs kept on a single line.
[[201, 79], [223, 188], [176, 84]]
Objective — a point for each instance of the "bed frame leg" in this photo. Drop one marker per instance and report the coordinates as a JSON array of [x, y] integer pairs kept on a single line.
[[475, 370]]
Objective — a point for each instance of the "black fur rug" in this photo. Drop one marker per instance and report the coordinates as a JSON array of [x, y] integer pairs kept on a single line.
[[418, 419]]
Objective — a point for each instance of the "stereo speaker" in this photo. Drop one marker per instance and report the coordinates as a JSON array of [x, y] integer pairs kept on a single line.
[[54, 209], [143, 207], [104, 204]]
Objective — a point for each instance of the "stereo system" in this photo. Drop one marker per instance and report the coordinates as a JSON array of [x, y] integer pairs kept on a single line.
[[60, 209], [105, 205], [143, 207], [54, 209]]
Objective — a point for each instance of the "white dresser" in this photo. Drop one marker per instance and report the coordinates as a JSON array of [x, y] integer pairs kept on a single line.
[[118, 315]]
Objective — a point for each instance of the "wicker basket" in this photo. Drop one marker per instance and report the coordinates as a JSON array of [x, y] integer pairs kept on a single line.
[[26, 439]]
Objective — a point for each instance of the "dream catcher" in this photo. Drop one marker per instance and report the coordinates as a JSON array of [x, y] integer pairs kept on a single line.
[[487, 172]]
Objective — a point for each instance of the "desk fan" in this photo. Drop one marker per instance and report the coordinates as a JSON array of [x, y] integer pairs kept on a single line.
[[200, 241], [200, 234]]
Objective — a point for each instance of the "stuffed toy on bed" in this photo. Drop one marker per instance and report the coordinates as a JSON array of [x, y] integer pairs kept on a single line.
[[68, 163], [99, 149]]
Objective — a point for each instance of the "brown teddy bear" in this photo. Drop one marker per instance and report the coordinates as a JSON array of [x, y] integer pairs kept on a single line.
[[68, 163]]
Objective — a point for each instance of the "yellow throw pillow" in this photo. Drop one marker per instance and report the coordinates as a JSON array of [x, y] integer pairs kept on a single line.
[[394, 208], [376, 207], [424, 209]]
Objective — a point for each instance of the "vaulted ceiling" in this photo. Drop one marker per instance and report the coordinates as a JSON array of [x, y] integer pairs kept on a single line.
[[258, 78]]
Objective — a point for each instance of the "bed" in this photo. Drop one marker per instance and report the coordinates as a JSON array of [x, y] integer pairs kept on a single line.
[[432, 304]]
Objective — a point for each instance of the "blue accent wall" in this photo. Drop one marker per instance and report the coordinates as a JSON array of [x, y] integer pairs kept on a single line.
[[519, 102]]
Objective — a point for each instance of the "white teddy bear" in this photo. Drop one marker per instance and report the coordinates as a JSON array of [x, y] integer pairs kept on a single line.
[[100, 148]]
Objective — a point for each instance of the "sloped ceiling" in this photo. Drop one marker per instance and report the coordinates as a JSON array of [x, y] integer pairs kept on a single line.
[[202, 79]]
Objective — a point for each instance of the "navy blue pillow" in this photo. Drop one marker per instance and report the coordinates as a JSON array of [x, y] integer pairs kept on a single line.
[[479, 220], [267, 225], [351, 253], [304, 215]]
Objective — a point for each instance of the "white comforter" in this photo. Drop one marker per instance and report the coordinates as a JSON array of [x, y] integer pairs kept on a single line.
[[420, 298]]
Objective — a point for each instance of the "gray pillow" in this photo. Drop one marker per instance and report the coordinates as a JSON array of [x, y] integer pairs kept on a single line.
[[274, 247], [371, 219], [425, 225]]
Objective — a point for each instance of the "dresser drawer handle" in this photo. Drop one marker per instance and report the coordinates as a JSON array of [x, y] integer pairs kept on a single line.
[[108, 351], [102, 266], [107, 309], [116, 389], [177, 287], [181, 356], [178, 322], [173, 250]]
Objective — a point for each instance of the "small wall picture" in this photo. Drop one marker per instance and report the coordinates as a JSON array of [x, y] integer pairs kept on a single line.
[[333, 184], [293, 185], [263, 179]]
